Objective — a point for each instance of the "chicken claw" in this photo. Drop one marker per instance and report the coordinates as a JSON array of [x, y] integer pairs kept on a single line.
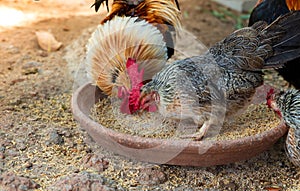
[[198, 136]]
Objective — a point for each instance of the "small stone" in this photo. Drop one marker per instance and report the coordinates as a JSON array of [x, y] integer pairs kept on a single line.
[[2, 156], [30, 71], [151, 176], [67, 133], [231, 186], [16, 102], [12, 153], [10, 181], [28, 165], [47, 41], [13, 50], [97, 162], [2, 148], [33, 93], [82, 181], [66, 29], [55, 138], [30, 68], [15, 81], [21, 146], [42, 53]]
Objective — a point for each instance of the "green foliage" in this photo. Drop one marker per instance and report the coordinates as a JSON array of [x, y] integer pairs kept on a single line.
[[226, 15]]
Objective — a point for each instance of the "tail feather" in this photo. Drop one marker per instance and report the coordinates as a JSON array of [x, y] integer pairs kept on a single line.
[[278, 60], [284, 37], [289, 42], [164, 14], [119, 39]]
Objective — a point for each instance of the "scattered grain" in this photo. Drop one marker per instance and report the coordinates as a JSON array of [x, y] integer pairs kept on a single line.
[[256, 119]]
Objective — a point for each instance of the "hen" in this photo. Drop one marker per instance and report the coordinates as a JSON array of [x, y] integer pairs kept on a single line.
[[269, 10], [208, 87], [164, 14], [287, 106]]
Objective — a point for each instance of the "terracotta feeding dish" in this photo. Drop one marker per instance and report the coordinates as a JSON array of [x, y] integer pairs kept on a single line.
[[168, 151]]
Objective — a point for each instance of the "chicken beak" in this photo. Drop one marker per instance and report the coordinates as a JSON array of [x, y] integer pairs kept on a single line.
[[147, 100], [144, 101]]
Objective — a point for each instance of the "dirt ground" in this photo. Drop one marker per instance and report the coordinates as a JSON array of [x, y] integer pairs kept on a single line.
[[43, 148]]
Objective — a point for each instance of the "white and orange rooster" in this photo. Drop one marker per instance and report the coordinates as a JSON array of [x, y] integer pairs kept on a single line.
[[134, 37]]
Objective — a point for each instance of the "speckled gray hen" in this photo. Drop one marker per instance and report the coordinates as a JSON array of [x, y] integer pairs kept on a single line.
[[215, 85], [287, 105]]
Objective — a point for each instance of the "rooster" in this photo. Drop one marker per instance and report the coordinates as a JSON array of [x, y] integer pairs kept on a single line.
[[164, 14], [269, 10], [119, 46], [223, 80], [287, 106], [135, 34]]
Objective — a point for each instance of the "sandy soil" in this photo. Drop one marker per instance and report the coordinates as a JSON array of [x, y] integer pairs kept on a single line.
[[43, 148]]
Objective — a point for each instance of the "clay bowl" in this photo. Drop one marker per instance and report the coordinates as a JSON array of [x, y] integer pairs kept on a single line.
[[168, 151]]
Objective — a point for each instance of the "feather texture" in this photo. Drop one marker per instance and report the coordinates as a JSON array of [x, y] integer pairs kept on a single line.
[[292, 146], [114, 42], [166, 10], [268, 11], [224, 78], [164, 14], [293, 4], [289, 105]]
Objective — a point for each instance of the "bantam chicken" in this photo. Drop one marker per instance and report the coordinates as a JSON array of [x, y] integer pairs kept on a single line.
[[134, 35], [287, 106], [164, 14], [205, 88], [269, 10], [122, 45]]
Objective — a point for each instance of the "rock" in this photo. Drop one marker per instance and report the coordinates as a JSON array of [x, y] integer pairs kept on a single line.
[[95, 161], [2, 156], [30, 68], [12, 152], [30, 71], [228, 184], [28, 165], [42, 53], [151, 176], [13, 50], [84, 181], [12, 182], [55, 138], [2, 148], [21, 147], [47, 41], [13, 82]]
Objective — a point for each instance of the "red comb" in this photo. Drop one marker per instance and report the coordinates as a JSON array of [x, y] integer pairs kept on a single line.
[[130, 103], [130, 97], [135, 76], [270, 92]]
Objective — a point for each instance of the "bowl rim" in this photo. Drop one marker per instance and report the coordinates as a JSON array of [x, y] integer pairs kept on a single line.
[[138, 142]]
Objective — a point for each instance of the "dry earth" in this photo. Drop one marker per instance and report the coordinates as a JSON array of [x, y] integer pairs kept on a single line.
[[43, 148]]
